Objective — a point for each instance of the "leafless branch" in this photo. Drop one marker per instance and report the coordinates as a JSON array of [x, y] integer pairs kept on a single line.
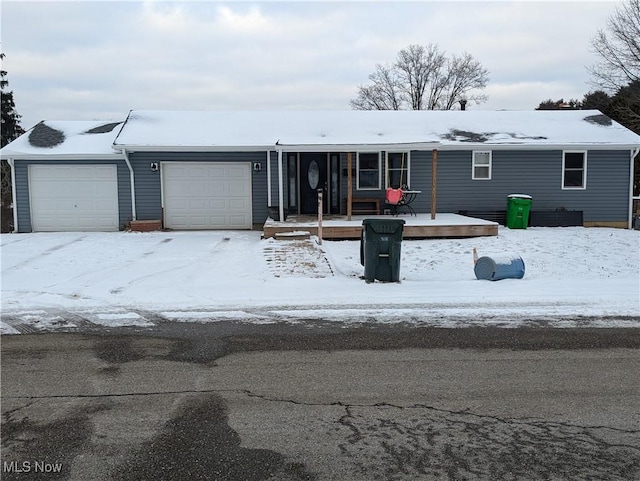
[[423, 78]]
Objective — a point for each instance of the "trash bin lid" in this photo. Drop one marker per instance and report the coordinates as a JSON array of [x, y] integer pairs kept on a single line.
[[519, 196], [383, 221], [383, 226]]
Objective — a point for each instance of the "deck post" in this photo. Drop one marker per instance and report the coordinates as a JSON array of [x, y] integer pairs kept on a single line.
[[434, 181], [320, 207], [349, 184]]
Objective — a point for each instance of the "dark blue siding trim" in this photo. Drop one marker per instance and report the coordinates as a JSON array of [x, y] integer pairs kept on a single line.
[[22, 188]]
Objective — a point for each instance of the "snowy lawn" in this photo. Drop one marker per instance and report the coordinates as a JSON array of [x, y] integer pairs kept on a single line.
[[111, 278]]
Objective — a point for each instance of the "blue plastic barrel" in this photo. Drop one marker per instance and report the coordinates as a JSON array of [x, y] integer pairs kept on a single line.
[[497, 267]]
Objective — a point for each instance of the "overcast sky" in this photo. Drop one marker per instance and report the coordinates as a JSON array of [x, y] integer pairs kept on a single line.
[[74, 60]]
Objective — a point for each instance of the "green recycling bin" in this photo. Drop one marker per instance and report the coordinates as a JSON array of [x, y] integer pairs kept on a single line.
[[518, 208], [380, 249]]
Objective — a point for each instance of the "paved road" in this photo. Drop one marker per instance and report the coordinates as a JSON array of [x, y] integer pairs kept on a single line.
[[281, 402]]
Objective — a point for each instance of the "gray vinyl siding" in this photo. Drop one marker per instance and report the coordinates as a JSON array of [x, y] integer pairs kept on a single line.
[[22, 188], [148, 188], [537, 173], [534, 172]]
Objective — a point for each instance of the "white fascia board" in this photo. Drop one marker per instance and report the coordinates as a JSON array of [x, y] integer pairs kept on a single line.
[[357, 147], [487, 146], [114, 156], [193, 148], [364, 147]]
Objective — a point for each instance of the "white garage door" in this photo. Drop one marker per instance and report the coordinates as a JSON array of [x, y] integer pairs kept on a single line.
[[73, 197], [207, 195]]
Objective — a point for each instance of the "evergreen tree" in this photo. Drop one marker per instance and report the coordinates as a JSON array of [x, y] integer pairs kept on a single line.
[[10, 130], [625, 106], [597, 100], [572, 104]]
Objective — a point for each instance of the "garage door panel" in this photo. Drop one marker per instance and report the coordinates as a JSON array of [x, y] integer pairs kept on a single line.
[[198, 204], [238, 204], [74, 197], [236, 219], [220, 222], [207, 195], [236, 188], [218, 204]]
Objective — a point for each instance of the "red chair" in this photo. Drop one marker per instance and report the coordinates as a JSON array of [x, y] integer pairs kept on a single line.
[[395, 198]]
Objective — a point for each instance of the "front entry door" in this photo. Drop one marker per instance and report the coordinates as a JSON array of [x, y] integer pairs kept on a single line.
[[313, 176]]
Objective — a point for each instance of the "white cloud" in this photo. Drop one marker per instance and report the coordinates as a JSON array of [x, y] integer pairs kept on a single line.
[[252, 23]]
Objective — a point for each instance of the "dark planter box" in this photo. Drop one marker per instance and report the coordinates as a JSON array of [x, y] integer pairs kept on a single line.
[[555, 218], [499, 216]]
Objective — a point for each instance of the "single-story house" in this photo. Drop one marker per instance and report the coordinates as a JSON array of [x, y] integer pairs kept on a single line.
[[222, 170]]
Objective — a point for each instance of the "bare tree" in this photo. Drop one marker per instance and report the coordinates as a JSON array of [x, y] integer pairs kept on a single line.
[[420, 68], [619, 48], [423, 78], [383, 94], [465, 75]]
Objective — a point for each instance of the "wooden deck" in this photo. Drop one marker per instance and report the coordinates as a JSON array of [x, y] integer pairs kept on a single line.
[[416, 227]]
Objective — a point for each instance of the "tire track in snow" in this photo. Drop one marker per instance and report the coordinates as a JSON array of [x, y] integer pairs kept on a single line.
[[48, 252], [217, 249]]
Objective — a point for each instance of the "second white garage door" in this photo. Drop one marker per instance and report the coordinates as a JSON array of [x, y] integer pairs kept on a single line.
[[207, 195]]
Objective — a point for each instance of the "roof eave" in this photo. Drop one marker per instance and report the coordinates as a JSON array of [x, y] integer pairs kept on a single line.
[[26, 156], [191, 148], [549, 146], [357, 146]]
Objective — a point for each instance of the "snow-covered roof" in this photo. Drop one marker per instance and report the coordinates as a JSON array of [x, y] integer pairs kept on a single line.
[[320, 130], [339, 130], [65, 139]]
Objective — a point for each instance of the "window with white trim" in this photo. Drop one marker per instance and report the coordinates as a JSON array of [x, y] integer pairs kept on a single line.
[[368, 171], [481, 165], [397, 169], [574, 169]]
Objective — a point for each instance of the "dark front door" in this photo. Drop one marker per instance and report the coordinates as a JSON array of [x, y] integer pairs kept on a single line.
[[313, 176]]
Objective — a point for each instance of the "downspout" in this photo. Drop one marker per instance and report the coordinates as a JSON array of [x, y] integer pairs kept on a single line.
[[280, 187], [14, 196], [634, 152], [434, 182], [133, 184]]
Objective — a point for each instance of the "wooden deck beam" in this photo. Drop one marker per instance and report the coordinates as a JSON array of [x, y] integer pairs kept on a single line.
[[410, 231]]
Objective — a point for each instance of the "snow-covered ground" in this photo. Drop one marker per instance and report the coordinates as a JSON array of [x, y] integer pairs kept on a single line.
[[574, 277]]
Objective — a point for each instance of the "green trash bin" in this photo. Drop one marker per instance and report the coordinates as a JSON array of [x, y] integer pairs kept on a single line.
[[518, 208], [380, 249]]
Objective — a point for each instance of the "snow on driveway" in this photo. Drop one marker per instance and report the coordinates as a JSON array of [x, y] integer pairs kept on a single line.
[[64, 280]]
